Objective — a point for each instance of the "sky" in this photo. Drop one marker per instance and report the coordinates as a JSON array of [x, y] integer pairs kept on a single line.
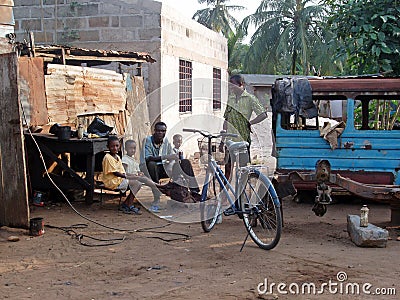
[[189, 7]]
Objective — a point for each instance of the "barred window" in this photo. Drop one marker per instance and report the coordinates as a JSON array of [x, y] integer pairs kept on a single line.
[[216, 88], [185, 86]]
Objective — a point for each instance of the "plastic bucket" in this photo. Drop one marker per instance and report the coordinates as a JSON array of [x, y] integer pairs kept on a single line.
[[36, 227]]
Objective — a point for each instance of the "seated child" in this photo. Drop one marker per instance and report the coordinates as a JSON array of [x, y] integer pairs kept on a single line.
[[177, 142], [186, 178], [114, 175], [132, 167]]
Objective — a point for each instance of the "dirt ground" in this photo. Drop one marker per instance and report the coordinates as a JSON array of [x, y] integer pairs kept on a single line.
[[168, 255], [190, 264]]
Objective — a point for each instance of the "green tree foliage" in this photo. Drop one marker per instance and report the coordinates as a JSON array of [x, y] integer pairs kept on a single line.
[[382, 114], [218, 16], [370, 33], [236, 52], [290, 38]]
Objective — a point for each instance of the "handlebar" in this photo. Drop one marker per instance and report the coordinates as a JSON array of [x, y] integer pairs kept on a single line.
[[209, 135]]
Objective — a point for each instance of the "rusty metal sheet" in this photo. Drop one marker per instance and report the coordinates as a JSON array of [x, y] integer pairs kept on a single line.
[[369, 188], [73, 91], [361, 85], [374, 192], [31, 89]]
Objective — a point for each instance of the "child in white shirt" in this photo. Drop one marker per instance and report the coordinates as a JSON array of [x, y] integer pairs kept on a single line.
[[132, 167]]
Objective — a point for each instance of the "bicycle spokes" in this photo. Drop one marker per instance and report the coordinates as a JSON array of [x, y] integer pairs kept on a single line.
[[260, 214]]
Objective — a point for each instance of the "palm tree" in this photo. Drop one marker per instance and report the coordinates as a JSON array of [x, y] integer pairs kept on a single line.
[[217, 17], [288, 33], [236, 52]]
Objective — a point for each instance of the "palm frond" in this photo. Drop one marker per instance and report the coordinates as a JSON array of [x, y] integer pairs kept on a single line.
[[287, 32]]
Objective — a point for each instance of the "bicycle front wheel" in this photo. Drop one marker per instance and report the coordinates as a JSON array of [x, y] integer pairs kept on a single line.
[[261, 211], [210, 209]]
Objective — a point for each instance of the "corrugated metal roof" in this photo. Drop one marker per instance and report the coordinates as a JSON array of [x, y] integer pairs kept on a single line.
[[356, 84]]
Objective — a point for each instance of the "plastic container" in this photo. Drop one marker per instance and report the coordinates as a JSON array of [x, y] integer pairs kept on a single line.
[[364, 216], [36, 226], [80, 131]]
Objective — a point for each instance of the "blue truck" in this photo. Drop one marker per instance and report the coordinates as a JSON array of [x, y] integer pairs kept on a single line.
[[338, 136]]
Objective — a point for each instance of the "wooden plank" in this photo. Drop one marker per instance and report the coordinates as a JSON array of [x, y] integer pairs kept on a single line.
[[31, 89], [82, 55], [31, 44], [119, 123], [14, 210], [101, 58]]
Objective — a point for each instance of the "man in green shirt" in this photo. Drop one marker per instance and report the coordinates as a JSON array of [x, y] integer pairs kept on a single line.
[[239, 109]]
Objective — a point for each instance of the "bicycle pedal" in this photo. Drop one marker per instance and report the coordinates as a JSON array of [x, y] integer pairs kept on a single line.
[[325, 202], [229, 211]]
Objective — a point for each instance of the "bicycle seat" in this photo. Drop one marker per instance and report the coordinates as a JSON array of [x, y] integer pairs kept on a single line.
[[236, 146]]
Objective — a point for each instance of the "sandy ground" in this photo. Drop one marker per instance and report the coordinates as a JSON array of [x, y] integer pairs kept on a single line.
[[159, 258]]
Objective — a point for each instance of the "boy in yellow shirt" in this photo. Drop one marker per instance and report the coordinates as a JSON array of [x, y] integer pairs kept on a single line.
[[116, 178]]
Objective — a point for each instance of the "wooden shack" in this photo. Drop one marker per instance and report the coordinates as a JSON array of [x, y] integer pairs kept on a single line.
[[61, 84], [64, 85]]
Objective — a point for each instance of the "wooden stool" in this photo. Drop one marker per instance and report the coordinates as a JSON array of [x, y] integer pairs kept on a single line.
[[100, 185]]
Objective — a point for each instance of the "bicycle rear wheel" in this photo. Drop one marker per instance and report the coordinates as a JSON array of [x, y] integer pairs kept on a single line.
[[210, 209], [261, 211]]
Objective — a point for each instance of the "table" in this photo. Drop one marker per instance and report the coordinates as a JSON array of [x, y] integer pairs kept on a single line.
[[51, 147]]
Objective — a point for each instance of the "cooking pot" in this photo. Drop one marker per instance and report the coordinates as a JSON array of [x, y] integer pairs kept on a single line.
[[64, 133]]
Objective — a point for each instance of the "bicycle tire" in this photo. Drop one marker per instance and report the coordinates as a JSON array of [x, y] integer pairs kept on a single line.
[[261, 211], [210, 209]]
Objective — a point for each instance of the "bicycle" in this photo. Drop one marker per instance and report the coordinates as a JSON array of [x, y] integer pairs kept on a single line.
[[255, 199]]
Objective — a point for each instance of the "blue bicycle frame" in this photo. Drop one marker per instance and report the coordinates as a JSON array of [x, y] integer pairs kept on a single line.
[[214, 170]]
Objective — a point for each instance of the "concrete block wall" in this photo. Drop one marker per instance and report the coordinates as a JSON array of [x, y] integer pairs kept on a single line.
[[78, 22], [130, 25], [191, 40]]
